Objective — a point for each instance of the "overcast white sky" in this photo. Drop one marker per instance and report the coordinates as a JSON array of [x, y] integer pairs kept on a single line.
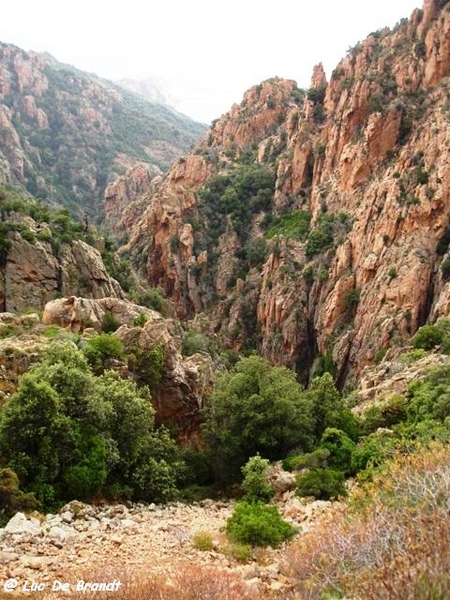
[[207, 53]]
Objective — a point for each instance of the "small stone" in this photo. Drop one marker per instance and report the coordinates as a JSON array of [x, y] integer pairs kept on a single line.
[[20, 524], [128, 523], [36, 562], [67, 516], [276, 586], [7, 557]]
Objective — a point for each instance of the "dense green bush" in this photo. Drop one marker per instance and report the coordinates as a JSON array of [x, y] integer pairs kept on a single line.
[[340, 448], [12, 499], [372, 451], [387, 414], [293, 225], [193, 342], [100, 349], [255, 485], [313, 460], [67, 433], [322, 484], [147, 365], [427, 337], [258, 524], [109, 322], [152, 298], [242, 193], [255, 409], [327, 229], [430, 397], [329, 410]]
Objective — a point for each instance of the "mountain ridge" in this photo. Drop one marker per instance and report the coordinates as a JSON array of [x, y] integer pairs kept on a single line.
[[358, 155], [65, 133]]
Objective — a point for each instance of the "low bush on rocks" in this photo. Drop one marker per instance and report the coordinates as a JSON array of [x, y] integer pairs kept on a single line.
[[203, 541], [258, 524]]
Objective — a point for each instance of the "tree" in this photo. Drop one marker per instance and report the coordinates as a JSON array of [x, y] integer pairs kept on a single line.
[[340, 447], [255, 409], [329, 410], [255, 485], [67, 433]]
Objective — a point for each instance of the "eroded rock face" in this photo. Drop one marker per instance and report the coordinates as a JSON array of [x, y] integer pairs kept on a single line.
[[32, 274], [370, 147]]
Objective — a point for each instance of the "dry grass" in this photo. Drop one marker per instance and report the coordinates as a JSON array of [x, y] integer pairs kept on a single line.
[[392, 543], [190, 582]]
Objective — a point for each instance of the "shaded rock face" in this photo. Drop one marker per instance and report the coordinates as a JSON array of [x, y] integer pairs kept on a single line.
[[119, 195], [369, 151], [186, 381], [32, 274]]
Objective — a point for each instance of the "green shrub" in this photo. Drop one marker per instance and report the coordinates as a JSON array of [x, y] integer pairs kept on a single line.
[[322, 484], [12, 499], [195, 493], [67, 433], [241, 552], [140, 320], [256, 251], [340, 448], [329, 409], [328, 227], [372, 451], [255, 408], [258, 524], [101, 348], [445, 268], [153, 299], [385, 415], [255, 485], [314, 460], [427, 337], [52, 331], [293, 225], [430, 397], [202, 540], [147, 365], [199, 468], [9, 330], [193, 342], [412, 356], [352, 300], [109, 322]]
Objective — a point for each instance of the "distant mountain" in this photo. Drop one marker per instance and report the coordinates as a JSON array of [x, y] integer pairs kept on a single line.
[[150, 88], [65, 134]]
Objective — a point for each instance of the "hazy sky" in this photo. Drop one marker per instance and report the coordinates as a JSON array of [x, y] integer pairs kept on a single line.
[[207, 53]]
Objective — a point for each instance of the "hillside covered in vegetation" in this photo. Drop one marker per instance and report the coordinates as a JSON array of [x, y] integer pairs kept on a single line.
[[65, 134]]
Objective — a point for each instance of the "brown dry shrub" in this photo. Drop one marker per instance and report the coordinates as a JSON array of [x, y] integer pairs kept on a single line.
[[190, 582], [392, 541]]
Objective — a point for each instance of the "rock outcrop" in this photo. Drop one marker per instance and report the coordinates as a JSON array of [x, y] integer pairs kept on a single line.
[[33, 274], [366, 156], [185, 382]]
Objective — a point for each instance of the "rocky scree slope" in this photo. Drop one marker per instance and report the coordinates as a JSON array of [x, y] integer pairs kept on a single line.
[[65, 133], [314, 226]]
